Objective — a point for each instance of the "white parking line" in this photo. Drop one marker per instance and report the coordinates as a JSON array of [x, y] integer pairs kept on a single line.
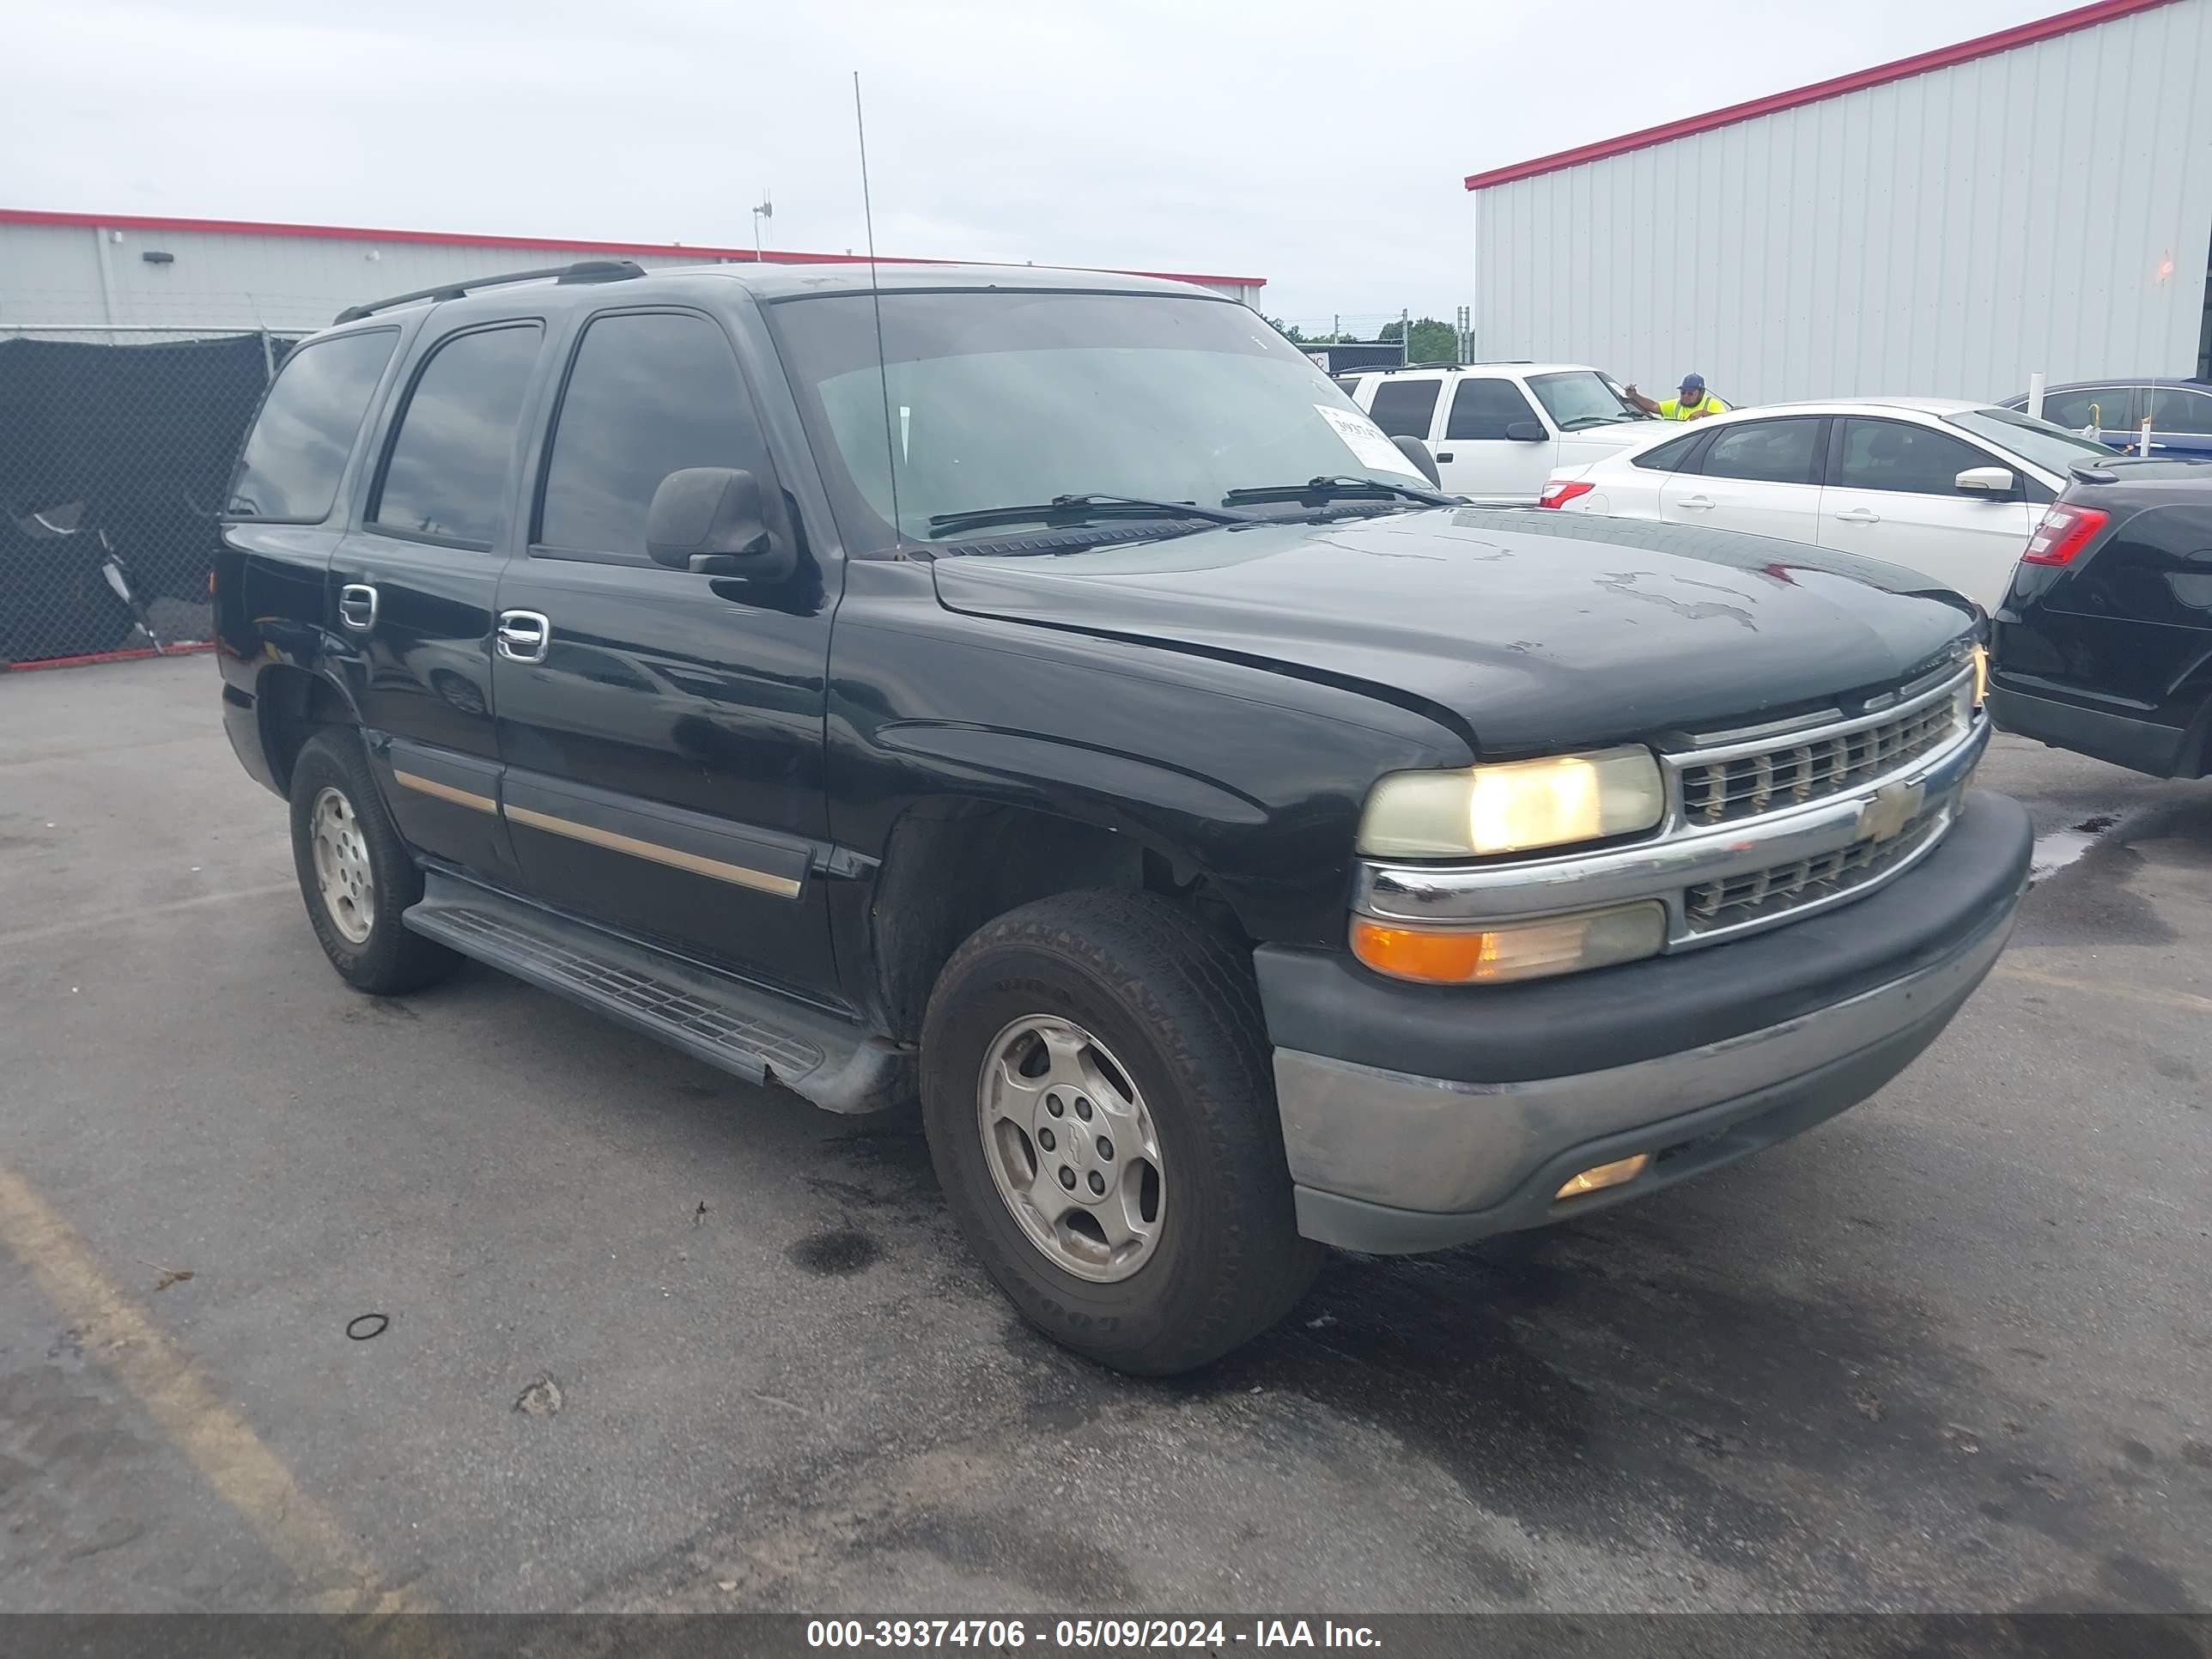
[[232, 1460], [2186, 1001], [111, 918]]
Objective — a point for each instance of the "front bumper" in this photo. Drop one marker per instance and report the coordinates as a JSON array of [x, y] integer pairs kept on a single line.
[[1416, 1118]]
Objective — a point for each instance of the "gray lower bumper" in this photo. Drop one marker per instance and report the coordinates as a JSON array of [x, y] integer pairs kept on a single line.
[[1393, 1164]]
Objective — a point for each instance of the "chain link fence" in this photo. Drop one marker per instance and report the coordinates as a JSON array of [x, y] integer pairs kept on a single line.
[[116, 445]]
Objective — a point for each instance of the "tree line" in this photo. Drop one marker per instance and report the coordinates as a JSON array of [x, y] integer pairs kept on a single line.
[[1433, 342]]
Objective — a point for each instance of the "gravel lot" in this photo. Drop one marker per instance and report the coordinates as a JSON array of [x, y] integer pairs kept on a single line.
[[658, 1341]]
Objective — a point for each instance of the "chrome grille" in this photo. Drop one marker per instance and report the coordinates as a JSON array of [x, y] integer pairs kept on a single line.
[[1756, 895], [1743, 781]]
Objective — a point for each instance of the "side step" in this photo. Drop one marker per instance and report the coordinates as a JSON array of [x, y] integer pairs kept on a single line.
[[738, 1028]]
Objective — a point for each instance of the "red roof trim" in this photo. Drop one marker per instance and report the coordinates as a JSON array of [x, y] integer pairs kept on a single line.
[[456, 239], [2044, 29]]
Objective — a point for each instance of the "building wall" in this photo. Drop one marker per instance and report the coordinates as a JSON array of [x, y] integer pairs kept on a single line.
[[288, 281], [2045, 208]]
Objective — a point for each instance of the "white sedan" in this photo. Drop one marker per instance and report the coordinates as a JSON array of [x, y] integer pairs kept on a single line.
[[1950, 490]]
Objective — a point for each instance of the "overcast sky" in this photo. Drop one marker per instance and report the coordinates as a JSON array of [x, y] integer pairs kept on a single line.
[[1320, 145]]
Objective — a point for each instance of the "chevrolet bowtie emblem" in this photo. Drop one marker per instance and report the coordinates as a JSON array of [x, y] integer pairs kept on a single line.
[[1893, 806]]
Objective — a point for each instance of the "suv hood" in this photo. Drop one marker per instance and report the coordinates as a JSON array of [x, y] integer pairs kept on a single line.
[[1523, 630]]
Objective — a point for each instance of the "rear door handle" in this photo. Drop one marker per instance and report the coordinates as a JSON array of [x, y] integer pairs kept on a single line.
[[1445, 455], [1696, 503], [1858, 515], [357, 606], [524, 635]]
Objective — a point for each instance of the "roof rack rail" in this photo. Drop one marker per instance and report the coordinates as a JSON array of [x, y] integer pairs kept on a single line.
[[584, 271], [1395, 368]]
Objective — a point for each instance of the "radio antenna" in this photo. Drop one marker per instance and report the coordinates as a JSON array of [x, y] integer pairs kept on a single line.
[[876, 295]]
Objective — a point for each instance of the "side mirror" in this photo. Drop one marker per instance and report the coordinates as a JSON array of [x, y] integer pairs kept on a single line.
[[1526, 432], [711, 519], [1990, 481], [1417, 452]]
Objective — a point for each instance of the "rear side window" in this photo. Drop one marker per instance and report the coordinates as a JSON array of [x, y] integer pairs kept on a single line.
[[1767, 451], [1669, 456], [1484, 408], [1349, 385], [298, 449], [650, 394], [2176, 409], [446, 473], [1913, 460], [1403, 409], [2102, 406]]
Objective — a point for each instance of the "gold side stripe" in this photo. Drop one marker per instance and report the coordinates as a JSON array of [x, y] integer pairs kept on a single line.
[[676, 858], [445, 791]]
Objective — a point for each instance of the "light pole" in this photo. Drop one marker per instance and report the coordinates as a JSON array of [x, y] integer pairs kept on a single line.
[[765, 210]]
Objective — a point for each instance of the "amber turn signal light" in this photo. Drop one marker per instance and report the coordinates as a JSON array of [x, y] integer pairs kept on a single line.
[[1510, 950], [1614, 1174]]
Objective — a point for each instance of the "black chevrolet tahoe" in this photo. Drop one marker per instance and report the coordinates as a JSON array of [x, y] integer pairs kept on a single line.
[[1046, 692]]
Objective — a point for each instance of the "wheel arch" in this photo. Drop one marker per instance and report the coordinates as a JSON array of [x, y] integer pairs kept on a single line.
[[954, 862], [291, 704]]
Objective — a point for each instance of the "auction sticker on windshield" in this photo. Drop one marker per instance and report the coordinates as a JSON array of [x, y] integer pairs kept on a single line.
[[1365, 440]]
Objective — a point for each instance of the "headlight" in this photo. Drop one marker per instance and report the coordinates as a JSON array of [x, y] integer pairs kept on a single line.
[[1513, 806], [1510, 950]]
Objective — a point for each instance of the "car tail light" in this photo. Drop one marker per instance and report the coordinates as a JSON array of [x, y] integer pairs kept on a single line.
[[1560, 491], [2064, 530]]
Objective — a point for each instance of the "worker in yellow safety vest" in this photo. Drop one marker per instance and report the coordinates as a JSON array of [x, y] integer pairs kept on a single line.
[[1694, 402]]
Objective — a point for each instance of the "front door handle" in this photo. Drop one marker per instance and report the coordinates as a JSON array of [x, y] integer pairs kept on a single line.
[[524, 635], [1696, 503], [357, 606], [1858, 515]]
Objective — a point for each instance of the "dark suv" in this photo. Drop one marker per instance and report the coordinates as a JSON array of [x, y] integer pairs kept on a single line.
[[1047, 691]]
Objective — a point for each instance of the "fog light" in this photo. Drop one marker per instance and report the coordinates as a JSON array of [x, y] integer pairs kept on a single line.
[[1606, 1175], [1510, 951]]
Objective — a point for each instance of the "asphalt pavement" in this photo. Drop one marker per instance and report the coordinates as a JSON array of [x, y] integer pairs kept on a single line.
[[656, 1340]]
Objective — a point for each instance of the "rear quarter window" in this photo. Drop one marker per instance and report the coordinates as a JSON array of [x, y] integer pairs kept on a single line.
[[297, 451], [1669, 456]]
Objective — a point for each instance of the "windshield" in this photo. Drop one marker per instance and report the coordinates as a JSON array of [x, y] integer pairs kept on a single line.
[[1581, 398], [1014, 397], [2051, 447]]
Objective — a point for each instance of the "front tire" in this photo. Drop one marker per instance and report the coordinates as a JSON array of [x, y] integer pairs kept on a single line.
[[1096, 1094], [356, 874]]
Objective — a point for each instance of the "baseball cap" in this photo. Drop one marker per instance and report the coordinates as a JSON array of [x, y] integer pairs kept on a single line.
[[1693, 378]]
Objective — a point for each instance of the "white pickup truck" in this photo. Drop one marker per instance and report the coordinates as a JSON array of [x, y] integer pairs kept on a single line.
[[1500, 430]]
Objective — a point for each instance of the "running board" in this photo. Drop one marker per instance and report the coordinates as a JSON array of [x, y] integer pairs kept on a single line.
[[731, 1025]]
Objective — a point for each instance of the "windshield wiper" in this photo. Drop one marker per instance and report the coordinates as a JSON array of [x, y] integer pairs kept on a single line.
[[1581, 420], [1320, 491], [1078, 509]]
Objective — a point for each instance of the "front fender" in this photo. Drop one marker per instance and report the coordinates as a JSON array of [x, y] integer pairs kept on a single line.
[[1252, 780]]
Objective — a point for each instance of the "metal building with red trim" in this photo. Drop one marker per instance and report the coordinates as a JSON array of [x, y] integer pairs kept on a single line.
[[124, 269], [2036, 199]]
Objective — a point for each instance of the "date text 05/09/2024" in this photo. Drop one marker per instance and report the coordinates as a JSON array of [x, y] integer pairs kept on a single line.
[[1007, 1635]]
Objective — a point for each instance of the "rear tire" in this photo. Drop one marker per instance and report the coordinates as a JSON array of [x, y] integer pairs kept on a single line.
[[356, 874], [1120, 1008]]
